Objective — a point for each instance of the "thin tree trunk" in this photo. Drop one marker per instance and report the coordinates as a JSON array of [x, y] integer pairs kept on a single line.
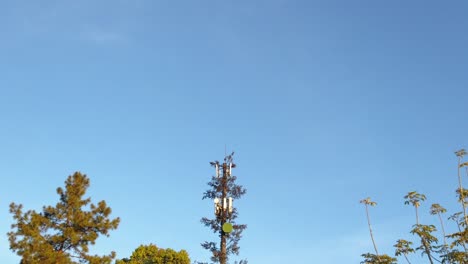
[[423, 241], [462, 201], [370, 231], [426, 248], [461, 193], [406, 257], [443, 229], [417, 215], [459, 230]]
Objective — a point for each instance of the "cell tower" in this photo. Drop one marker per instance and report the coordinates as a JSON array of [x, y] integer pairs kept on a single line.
[[223, 192]]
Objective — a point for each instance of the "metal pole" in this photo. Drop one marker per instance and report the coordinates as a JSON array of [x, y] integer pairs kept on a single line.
[[223, 256]]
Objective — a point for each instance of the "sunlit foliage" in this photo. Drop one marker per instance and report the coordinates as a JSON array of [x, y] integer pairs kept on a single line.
[[62, 233]]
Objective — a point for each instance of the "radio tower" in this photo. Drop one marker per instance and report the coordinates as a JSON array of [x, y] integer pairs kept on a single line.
[[223, 191]]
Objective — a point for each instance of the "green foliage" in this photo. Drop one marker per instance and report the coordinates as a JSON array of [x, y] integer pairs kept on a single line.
[[62, 233], [151, 254], [423, 231], [455, 257], [457, 218], [414, 198], [437, 209], [460, 153], [454, 248], [459, 238], [462, 194], [368, 201], [428, 241], [403, 247], [377, 259]]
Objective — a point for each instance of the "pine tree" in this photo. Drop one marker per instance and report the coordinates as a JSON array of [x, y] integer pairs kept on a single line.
[[223, 190], [62, 233]]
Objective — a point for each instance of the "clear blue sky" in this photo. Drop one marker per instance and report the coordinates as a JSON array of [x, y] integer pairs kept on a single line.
[[324, 103]]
